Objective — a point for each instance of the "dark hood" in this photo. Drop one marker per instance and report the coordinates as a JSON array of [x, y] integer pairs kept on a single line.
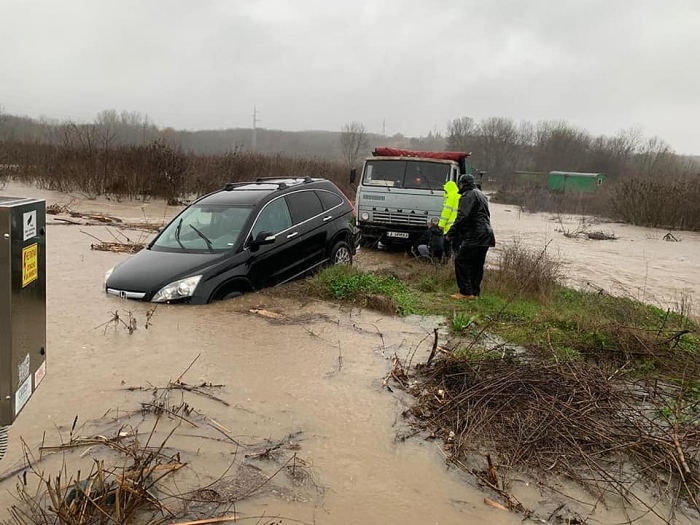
[[468, 182], [149, 271]]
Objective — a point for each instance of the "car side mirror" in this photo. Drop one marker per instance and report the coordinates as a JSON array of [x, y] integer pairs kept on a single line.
[[262, 239], [353, 175]]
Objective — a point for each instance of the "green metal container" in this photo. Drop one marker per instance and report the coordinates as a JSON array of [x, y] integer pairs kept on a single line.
[[574, 182]]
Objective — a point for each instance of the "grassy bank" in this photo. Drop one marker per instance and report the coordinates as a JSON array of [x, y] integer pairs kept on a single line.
[[524, 304], [545, 380]]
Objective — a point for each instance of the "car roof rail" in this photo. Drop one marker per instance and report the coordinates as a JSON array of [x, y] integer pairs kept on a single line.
[[308, 179], [231, 185], [282, 186]]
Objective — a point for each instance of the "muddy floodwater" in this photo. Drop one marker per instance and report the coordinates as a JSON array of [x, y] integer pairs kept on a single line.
[[314, 370]]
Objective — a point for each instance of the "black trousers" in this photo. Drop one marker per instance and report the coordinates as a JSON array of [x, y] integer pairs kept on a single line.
[[469, 268], [452, 246]]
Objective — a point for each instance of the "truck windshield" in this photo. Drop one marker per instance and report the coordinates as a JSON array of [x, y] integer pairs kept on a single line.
[[412, 174]]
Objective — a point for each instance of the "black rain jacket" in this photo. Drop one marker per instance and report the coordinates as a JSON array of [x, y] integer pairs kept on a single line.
[[473, 223]]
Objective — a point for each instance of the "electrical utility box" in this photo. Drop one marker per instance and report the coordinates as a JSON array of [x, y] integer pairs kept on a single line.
[[22, 302]]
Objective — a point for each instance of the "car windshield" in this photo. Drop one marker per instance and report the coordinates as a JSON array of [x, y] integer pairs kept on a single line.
[[204, 228], [406, 174]]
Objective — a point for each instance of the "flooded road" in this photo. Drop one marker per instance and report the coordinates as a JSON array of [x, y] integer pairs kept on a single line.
[[280, 378], [317, 370], [639, 263]]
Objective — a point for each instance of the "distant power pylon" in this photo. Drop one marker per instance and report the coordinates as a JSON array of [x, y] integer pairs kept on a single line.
[[254, 145], [384, 127]]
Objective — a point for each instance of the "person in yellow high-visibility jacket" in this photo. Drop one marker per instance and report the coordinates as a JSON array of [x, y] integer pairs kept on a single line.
[[449, 213]]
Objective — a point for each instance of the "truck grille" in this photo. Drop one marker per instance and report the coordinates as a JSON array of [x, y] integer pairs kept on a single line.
[[408, 219]]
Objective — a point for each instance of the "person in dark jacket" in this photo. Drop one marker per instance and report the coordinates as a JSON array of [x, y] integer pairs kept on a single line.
[[430, 243], [473, 226]]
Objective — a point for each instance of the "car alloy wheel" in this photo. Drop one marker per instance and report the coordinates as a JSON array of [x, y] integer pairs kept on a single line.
[[341, 254]]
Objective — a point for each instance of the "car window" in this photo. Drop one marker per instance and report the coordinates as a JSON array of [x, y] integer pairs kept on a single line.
[[329, 200], [203, 227], [304, 205], [274, 218]]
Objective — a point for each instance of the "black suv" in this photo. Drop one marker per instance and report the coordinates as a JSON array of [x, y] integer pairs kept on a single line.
[[248, 236]]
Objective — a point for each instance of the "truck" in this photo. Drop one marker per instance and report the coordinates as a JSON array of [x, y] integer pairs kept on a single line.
[[400, 190]]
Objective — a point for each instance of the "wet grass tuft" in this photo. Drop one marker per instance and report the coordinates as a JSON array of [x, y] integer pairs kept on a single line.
[[381, 291]]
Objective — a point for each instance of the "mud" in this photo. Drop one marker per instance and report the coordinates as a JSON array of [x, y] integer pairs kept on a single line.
[[317, 370]]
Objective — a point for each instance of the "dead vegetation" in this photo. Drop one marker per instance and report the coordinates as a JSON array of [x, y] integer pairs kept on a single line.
[[539, 381], [134, 475], [529, 272], [64, 214], [156, 170], [121, 242], [127, 321], [583, 230], [569, 419]]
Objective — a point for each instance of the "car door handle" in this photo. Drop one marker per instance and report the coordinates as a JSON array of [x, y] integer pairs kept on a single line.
[[292, 235], [327, 218]]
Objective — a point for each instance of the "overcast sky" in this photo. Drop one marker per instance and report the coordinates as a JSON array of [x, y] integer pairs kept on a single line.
[[318, 64]]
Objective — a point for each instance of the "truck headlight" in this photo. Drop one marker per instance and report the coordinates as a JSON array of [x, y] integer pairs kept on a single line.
[[177, 290], [364, 216]]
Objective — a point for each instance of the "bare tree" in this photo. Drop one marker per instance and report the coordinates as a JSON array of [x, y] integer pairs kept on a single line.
[[656, 158], [3, 118], [499, 139], [460, 134], [353, 141], [560, 146], [107, 125]]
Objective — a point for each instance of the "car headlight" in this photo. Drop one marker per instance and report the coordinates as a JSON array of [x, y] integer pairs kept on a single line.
[[107, 274], [177, 290], [364, 216]]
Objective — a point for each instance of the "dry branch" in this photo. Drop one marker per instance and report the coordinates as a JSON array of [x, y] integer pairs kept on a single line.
[[563, 418], [117, 246]]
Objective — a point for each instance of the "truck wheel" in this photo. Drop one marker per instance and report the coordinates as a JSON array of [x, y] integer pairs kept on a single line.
[[341, 254]]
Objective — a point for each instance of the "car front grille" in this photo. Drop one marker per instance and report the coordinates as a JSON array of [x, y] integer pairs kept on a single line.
[[407, 219], [126, 295]]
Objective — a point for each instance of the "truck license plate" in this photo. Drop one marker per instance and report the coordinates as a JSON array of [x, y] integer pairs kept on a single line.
[[398, 235]]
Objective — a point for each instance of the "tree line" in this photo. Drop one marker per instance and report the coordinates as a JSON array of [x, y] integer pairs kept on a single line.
[[126, 155], [647, 184], [502, 147]]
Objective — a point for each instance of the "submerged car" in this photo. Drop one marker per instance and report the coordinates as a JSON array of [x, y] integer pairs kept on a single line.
[[245, 237]]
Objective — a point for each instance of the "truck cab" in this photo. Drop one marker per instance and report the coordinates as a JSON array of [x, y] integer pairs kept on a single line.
[[399, 191]]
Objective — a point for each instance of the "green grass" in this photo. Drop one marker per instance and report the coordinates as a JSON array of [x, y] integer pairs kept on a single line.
[[346, 283], [553, 321], [461, 321]]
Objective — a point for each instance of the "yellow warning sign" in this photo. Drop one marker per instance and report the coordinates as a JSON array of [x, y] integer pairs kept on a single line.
[[30, 264]]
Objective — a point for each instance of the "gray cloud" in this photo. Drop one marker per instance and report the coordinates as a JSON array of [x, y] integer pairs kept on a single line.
[[315, 64]]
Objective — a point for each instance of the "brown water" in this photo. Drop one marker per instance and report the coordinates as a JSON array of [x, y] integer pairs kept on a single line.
[[638, 264], [281, 377]]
